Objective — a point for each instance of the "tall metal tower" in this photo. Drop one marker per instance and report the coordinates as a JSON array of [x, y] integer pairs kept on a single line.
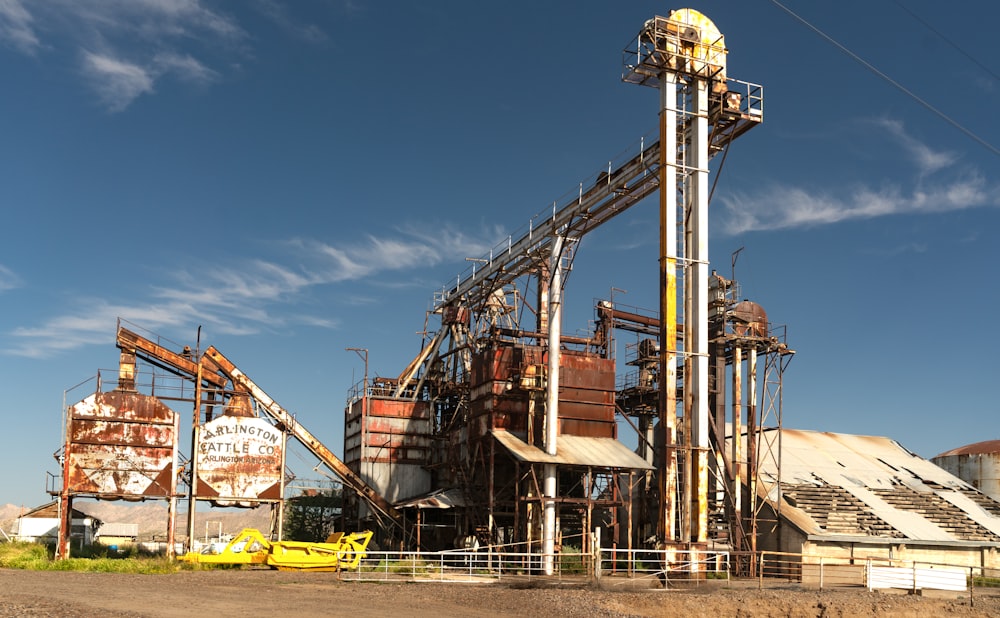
[[701, 112]]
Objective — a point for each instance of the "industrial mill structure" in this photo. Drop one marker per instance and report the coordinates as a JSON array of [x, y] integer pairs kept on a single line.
[[503, 429]]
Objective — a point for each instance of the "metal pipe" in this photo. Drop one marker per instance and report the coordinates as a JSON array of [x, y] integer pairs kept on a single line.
[[281, 504], [65, 505], [172, 500], [737, 450], [552, 405], [696, 288], [192, 497], [753, 435], [668, 304], [363, 353], [539, 335]]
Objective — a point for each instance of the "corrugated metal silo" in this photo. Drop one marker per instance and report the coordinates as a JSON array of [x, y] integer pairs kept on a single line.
[[977, 464]]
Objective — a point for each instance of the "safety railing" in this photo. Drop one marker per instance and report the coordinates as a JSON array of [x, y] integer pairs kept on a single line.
[[647, 568], [663, 567], [483, 565]]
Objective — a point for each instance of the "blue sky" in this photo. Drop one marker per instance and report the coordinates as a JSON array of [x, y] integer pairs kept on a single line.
[[299, 177]]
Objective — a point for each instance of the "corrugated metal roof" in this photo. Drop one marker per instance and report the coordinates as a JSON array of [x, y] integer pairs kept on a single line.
[[879, 478], [987, 447], [438, 499], [50, 510], [575, 451]]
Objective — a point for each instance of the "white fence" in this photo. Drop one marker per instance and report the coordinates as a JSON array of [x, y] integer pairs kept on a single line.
[[873, 573], [917, 578]]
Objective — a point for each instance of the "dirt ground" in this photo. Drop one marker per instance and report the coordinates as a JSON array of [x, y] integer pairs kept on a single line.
[[274, 593]]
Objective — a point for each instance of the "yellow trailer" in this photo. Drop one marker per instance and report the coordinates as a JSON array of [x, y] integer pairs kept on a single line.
[[340, 551]]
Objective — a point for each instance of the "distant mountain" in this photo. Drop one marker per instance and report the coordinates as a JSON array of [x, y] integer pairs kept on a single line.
[[8, 513], [152, 518]]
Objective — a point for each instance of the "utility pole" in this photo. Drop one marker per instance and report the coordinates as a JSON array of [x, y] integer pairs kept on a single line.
[[363, 354]]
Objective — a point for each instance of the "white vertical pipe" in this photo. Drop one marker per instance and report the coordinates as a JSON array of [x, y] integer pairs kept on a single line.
[[552, 405], [668, 304], [753, 445], [698, 322], [737, 451]]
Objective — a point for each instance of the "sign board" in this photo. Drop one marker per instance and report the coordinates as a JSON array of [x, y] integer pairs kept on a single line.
[[239, 458], [121, 445]]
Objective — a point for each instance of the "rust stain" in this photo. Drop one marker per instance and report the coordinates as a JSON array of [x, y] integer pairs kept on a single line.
[[121, 444], [239, 457]]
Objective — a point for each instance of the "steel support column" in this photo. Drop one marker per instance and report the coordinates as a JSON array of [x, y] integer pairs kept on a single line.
[[552, 406]]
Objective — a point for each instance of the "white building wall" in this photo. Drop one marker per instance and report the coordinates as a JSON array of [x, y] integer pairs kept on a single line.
[[46, 529]]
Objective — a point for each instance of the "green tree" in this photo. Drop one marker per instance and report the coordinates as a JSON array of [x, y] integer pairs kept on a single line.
[[313, 514]]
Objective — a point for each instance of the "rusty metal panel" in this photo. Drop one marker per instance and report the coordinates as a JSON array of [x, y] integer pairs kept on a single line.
[[987, 447], [510, 405], [587, 372], [585, 428], [405, 429], [455, 315], [399, 408], [239, 457], [976, 465], [395, 432], [591, 397], [393, 443], [85, 431], [121, 445], [586, 411], [492, 364], [531, 355]]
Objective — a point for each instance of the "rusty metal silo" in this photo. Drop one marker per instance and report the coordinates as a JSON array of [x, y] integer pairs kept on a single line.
[[977, 464]]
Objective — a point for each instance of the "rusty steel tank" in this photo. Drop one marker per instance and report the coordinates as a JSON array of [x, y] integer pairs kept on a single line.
[[977, 464], [749, 319]]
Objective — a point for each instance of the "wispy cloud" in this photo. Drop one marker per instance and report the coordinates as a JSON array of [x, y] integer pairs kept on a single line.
[[411, 246], [128, 46], [928, 160], [125, 46], [905, 248], [117, 82], [159, 21], [185, 66], [16, 28], [8, 279], [279, 15], [254, 295], [90, 324], [780, 206]]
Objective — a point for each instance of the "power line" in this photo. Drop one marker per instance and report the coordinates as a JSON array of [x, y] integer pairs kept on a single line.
[[947, 40], [954, 123]]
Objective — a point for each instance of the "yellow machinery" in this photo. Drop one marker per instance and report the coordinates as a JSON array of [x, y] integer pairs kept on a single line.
[[340, 551]]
